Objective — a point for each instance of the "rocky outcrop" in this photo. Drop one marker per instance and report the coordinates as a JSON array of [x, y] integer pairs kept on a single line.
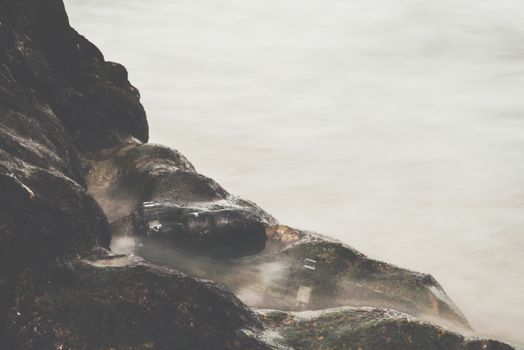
[[311, 272], [59, 286], [75, 172], [156, 193], [367, 328], [116, 302], [46, 62]]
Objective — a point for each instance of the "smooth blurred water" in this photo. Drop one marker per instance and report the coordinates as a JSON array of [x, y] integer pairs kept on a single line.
[[396, 126]]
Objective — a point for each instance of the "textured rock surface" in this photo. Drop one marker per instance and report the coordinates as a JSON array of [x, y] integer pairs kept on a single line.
[[155, 192], [122, 303], [57, 96], [74, 170], [57, 70], [332, 273], [368, 328], [347, 277]]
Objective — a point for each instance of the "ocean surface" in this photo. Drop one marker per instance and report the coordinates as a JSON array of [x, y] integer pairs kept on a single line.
[[396, 126]]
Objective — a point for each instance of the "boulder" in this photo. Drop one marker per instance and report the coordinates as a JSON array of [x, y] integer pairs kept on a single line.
[[57, 96], [155, 193], [119, 302], [218, 228], [367, 328], [301, 270], [344, 276]]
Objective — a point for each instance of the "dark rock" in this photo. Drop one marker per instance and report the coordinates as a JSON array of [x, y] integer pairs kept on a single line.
[[58, 95], [45, 214], [45, 211], [47, 61], [32, 133], [301, 270], [118, 302], [60, 288], [368, 328], [213, 228], [123, 177], [343, 276], [154, 192]]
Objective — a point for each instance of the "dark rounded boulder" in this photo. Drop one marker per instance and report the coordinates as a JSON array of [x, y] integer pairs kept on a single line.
[[155, 193], [118, 302]]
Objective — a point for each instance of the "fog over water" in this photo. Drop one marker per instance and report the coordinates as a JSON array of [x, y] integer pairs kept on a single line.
[[396, 126]]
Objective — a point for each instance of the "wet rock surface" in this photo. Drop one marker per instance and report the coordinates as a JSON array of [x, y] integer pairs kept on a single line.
[[76, 173], [58, 96], [123, 303], [367, 328], [48, 64], [347, 277], [155, 193], [311, 272], [216, 229]]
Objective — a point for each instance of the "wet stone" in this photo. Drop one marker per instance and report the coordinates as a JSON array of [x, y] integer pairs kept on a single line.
[[367, 328], [220, 229]]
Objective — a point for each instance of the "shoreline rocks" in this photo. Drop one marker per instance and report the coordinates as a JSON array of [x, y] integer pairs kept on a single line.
[[75, 171], [110, 304], [312, 273], [367, 328]]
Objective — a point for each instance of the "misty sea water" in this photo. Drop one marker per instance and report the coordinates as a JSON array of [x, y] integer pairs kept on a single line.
[[396, 126]]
